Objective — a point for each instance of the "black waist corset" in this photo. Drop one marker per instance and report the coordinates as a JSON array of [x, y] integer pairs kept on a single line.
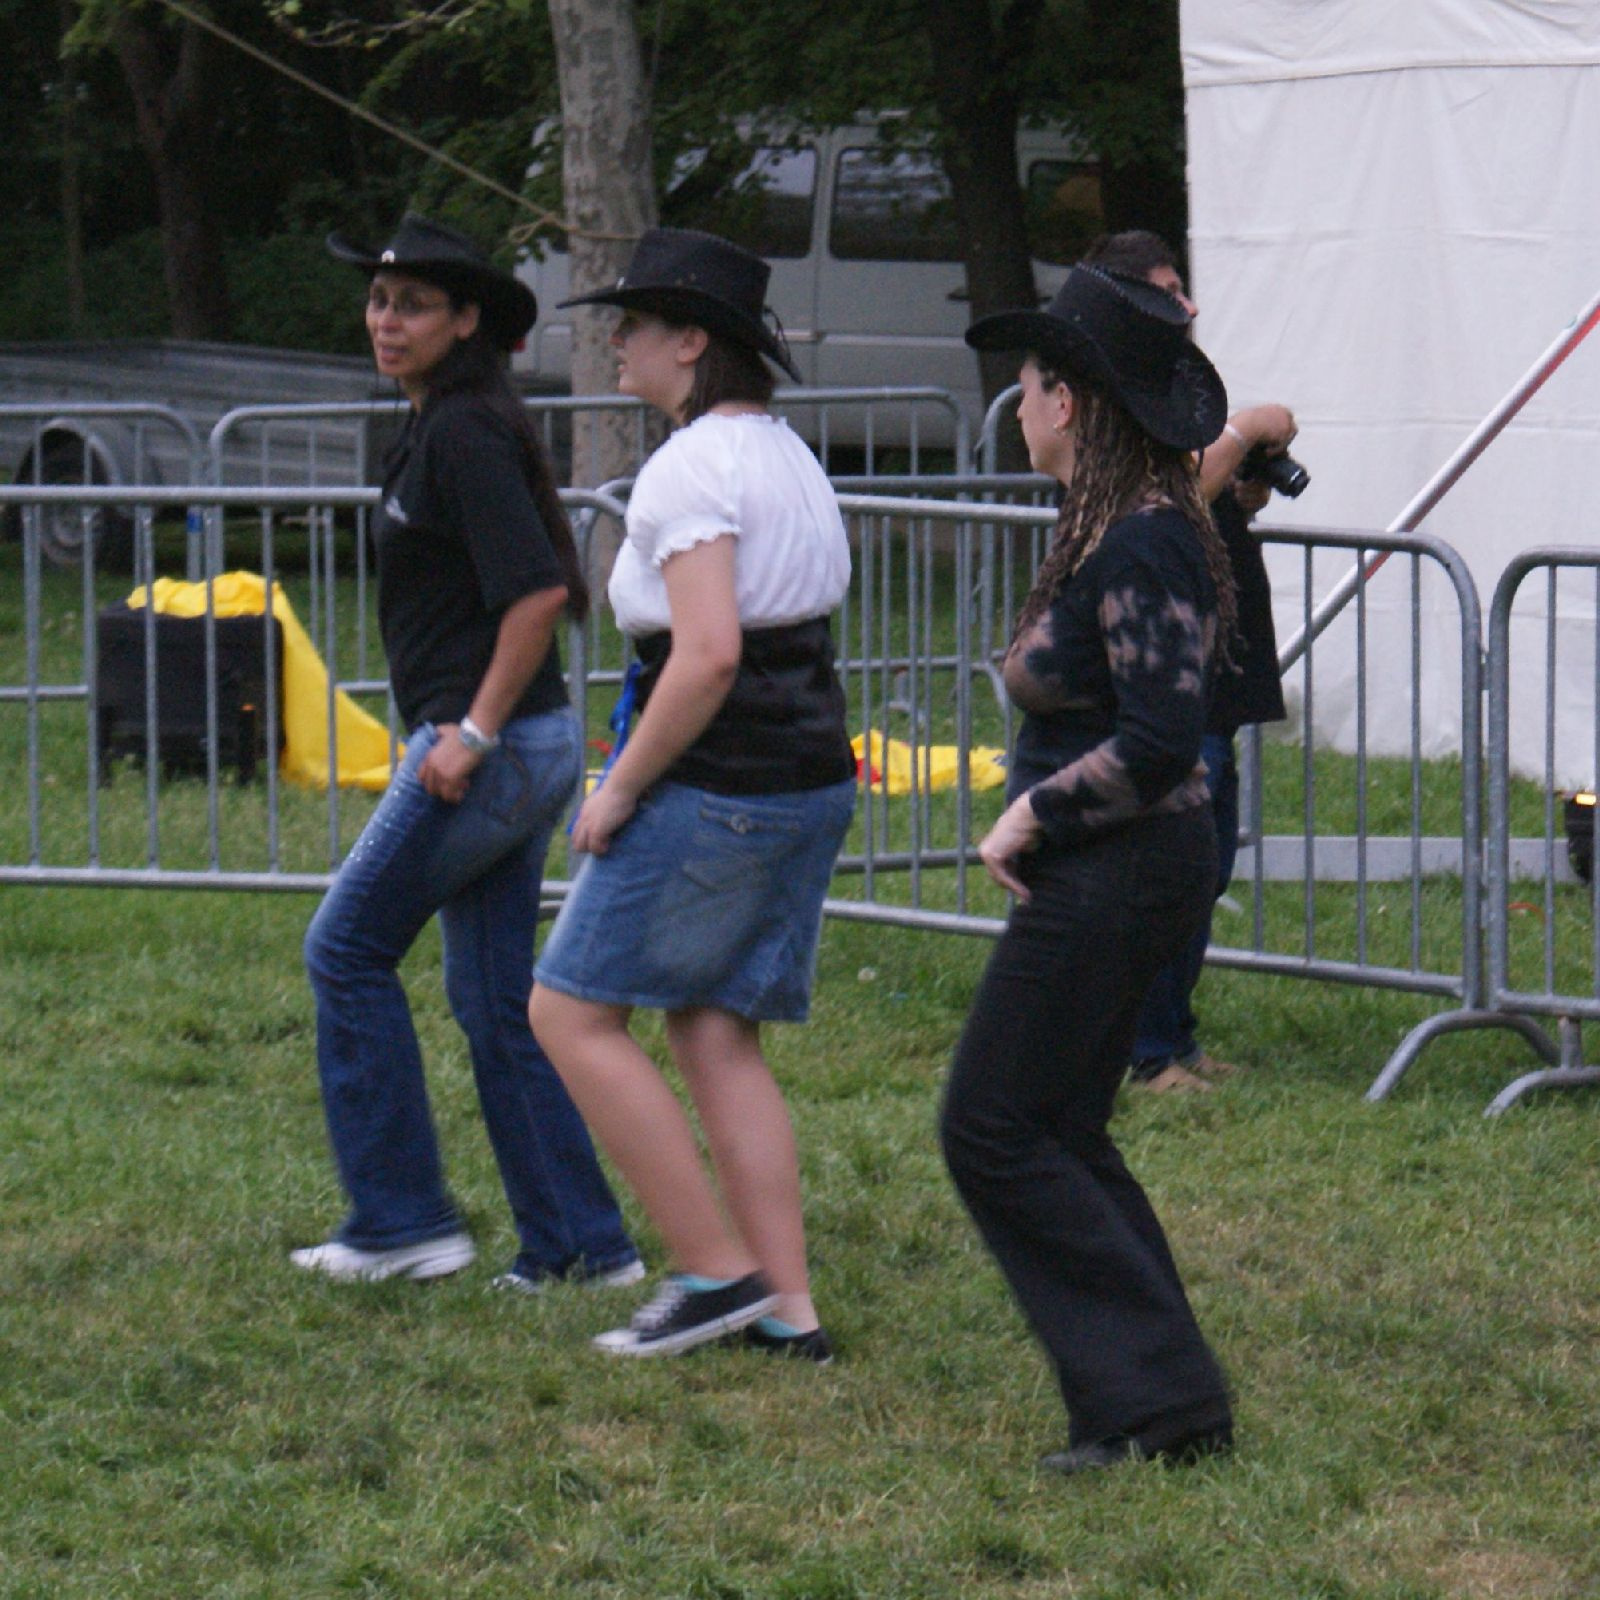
[[782, 726]]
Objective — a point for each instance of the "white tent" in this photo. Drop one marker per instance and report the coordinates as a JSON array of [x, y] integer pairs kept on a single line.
[[1395, 210]]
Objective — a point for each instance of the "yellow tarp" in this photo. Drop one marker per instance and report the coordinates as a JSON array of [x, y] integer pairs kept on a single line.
[[937, 765], [363, 741]]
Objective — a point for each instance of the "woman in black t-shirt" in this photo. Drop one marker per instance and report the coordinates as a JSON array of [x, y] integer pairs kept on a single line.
[[476, 566], [1109, 848]]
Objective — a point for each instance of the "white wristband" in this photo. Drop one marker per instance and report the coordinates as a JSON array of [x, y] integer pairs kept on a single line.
[[1237, 437], [475, 739]]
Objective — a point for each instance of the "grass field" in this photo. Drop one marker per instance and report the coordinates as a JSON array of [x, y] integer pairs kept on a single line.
[[1404, 1296]]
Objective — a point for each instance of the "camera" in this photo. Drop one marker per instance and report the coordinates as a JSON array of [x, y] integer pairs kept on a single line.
[[1280, 472]]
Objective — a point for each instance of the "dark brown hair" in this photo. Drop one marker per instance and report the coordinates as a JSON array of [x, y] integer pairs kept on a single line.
[[478, 366], [1136, 252], [1117, 468], [727, 372]]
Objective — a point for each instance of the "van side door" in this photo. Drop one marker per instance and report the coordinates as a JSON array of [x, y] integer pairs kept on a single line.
[[891, 287]]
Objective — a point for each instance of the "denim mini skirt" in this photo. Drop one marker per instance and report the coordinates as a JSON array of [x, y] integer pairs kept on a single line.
[[703, 900]]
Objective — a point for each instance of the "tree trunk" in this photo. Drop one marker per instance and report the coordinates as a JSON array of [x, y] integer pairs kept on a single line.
[[974, 72], [172, 75], [606, 177]]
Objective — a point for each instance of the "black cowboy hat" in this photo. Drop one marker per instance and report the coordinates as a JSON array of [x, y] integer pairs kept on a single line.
[[692, 277], [436, 254], [1129, 336]]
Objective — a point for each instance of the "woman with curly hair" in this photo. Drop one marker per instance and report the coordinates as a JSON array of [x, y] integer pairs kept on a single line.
[[1108, 845]]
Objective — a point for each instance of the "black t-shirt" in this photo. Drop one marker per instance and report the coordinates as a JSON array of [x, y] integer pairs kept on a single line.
[[459, 538], [1114, 679], [1252, 689]]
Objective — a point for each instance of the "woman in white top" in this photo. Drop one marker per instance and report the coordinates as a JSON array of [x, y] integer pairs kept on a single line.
[[712, 839]]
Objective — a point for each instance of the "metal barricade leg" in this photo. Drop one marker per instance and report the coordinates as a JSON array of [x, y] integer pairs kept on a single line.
[[1568, 1073], [1420, 1037]]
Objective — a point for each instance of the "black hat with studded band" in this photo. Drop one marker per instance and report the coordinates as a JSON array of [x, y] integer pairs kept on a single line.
[[697, 278], [1132, 338], [428, 250]]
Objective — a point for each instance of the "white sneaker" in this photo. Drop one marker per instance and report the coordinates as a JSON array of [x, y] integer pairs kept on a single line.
[[613, 1278], [433, 1258], [618, 1277]]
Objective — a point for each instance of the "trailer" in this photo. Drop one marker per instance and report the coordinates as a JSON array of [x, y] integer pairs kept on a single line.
[[142, 411]]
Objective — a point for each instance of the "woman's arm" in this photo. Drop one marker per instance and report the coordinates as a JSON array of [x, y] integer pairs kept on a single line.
[[1269, 425], [700, 670], [526, 628]]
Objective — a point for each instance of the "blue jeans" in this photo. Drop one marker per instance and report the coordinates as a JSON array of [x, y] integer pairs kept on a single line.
[[1166, 1031], [478, 864]]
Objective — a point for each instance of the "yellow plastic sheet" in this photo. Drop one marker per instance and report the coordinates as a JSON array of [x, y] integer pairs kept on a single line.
[[363, 741], [937, 765]]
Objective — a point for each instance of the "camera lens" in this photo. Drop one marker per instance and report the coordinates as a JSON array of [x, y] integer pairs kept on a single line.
[[1282, 472], [1286, 475]]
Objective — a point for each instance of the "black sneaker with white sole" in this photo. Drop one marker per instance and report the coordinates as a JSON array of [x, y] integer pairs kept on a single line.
[[679, 1318], [813, 1346]]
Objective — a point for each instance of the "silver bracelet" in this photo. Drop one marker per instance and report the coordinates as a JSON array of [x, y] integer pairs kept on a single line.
[[475, 739], [1237, 437]]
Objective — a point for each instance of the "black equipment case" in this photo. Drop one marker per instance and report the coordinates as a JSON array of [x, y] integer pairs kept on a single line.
[[241, 693]]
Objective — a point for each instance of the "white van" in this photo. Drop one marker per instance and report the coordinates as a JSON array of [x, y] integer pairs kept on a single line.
[[867, 276]]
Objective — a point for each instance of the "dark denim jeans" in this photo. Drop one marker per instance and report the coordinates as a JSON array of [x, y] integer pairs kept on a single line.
[[1024, 1127], [1166, 1031], [478, 864]]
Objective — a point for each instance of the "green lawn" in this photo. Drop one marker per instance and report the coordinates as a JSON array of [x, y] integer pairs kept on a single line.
[[1404, 1297]]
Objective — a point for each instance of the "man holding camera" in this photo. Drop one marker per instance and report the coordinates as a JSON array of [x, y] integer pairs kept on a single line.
[[1238, 473]]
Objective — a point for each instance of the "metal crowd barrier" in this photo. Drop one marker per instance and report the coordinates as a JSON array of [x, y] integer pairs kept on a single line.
[[95, 442], [115, 842], [334, 444], [1389, 886], [1542, 925], [1002, 412], [292, 445], [134, 422], [1347, 896]]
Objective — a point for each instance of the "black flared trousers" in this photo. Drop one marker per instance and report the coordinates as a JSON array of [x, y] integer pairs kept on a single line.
[[1024, 1127]]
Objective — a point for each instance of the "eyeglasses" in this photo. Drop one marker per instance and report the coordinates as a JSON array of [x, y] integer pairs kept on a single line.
[[406, 303]]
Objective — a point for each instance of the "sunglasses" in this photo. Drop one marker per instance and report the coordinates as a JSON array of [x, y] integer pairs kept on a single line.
[[407, 303]]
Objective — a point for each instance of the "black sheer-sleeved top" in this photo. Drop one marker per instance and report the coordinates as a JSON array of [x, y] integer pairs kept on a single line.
[[1114, 680]]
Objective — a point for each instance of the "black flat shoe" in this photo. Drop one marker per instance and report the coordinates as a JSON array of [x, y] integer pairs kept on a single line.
[[1113, 1452], [1092, 1457], [1184, 1452]]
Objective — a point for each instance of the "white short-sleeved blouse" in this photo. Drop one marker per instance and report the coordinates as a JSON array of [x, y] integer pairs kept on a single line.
[[749, 475]]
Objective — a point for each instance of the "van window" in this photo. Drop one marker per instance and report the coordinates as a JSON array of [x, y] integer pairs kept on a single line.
[[764, 203], [892, 206], [1065, 209]]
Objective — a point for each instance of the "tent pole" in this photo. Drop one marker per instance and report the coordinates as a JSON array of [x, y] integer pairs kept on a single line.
[[1445, 479]]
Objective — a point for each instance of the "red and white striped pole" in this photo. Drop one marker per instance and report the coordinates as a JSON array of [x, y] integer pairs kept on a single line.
[[1445, 479]]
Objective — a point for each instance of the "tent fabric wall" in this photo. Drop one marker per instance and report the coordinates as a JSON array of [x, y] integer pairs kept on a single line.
[[1394, 211]]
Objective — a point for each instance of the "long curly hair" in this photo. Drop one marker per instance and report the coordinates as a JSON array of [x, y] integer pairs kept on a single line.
[[1117, 468]]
